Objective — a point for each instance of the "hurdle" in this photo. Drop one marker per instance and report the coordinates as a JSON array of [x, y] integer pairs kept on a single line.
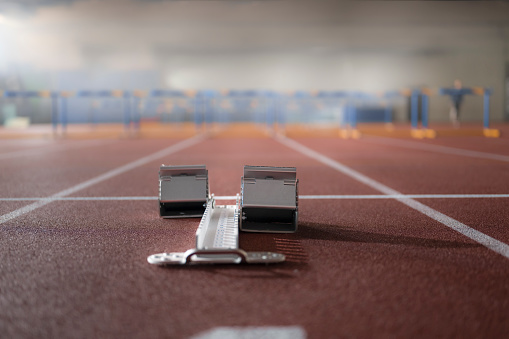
[[300, 107], [247, 102], [480, 91], [356, 100], [348, 120], [54, 96], [204, 108], [416, 131], [129, 116], [163, 94], [425, 131], [265, 108]]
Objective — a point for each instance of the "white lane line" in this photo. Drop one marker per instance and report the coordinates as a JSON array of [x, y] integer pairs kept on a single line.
[[439, 149], [411, 196], [303, 197], [52, 148], [274, 332], [105, 176], [454, 224], [225, 197], [82, 199]]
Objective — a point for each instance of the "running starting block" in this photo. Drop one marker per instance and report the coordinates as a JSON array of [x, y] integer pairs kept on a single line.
[[269, 204]]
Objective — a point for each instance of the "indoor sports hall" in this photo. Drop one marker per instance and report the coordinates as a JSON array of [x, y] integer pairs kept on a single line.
[[254, 169]]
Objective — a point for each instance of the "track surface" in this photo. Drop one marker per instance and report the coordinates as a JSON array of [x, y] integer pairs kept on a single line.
[[356, 267]]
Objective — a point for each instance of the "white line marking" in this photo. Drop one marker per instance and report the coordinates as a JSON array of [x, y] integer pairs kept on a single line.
[[105, 176], [454, 224], [52, 148], [225, 197], [439, 149], [302, 197], [82, 199], [274, 332], [411, 196]]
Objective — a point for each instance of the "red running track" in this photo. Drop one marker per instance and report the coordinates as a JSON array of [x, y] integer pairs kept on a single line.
[[356, 267]]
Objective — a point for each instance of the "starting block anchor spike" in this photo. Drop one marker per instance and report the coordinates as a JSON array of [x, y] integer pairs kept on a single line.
[[214, 256]]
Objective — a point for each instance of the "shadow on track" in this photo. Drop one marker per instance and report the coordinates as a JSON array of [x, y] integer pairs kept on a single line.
[[340, 234]]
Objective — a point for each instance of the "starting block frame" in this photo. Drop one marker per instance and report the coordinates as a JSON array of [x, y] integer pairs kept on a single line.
[[269, 204]]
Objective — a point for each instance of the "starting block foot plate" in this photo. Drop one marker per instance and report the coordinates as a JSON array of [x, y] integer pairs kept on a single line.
[[183, 191]]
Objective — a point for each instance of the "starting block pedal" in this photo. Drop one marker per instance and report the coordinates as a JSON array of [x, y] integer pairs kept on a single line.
[[217, 242], [183, 191], [269, 199]]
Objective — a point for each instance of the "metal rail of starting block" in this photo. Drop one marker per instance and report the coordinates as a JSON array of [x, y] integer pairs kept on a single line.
[[217, 242]]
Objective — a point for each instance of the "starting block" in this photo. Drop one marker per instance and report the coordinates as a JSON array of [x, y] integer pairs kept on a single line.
[[183, 191], [269, 199], [269, 204]]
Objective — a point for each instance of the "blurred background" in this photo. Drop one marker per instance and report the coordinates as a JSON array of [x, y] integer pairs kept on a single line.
[[236, 50]]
